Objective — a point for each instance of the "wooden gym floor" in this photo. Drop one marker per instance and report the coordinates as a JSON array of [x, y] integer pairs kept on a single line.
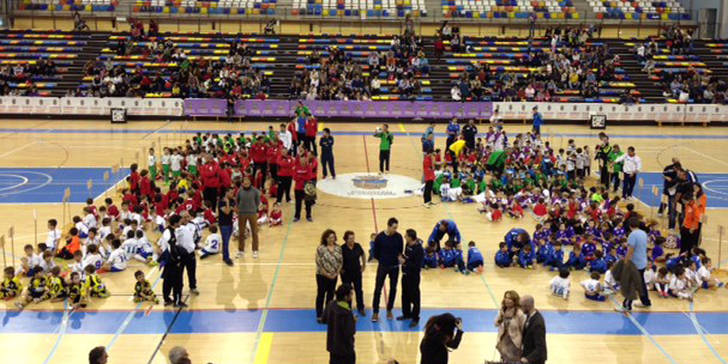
[[260, 311]]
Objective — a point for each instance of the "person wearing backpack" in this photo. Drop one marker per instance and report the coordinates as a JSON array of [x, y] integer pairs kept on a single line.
[[171, 261]]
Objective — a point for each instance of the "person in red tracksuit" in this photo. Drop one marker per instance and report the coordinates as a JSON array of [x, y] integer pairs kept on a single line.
[[145, 184], [210, 178], [286, 165], [226, 178], [313, 165], [134, 179], [258, 154], [311, 130], [428, 166], [301, 175], [271, 155]]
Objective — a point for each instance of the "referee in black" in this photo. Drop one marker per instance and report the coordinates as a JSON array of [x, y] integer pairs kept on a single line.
[[669, 184], [411, 260], [171, 261], [602, 155]]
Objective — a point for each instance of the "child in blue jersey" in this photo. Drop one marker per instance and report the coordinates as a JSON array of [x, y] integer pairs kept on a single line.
[[451, 256], [475, 258], [588, 248], [544, 251], [611, 256], [556, 259], [371, 246], [672, 263], [593, 288], [431, 259], [622, 249], [502, 257], [526, 257], [599, 264], [576, 260], [564, 234], [658, 253]]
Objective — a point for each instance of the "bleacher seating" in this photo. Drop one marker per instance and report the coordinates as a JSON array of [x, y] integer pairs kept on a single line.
[[518, 9], [281, 58], [40, 63], [69, 5], [360, 8], [639, 9], [226, 7]]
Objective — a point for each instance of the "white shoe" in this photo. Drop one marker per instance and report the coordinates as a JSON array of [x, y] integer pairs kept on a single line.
[[240, 254], [426, 205], [255, 254]]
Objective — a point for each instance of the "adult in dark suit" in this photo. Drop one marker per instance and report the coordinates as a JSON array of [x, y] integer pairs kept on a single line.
[[534, 333]]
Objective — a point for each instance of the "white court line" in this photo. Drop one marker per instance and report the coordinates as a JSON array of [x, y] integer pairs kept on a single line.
[[14, 150], [704, 155]]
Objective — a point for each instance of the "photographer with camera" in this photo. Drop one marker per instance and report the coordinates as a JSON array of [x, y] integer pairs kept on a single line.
[[442, 332]]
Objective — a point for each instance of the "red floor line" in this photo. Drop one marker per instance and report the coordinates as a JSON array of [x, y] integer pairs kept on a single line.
[[374, 206]]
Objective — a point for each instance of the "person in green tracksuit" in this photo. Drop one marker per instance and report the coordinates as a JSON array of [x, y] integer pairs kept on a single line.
[[152, 164], [385, 147], [616, 167]]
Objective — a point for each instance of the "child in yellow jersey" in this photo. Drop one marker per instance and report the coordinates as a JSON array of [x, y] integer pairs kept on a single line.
[[143, 290], [93, 285], [11, 286], [37, 291], [76, 292], [56, 285]]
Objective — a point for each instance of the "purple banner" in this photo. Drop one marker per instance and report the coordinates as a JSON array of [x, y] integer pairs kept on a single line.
[[344, 109], [205, 107]]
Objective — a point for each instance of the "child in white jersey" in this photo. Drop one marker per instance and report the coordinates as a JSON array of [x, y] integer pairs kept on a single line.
[[561, 284], [212, 243], [593, 288]]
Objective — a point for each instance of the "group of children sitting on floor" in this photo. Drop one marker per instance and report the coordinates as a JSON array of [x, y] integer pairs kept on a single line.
[[597, 249], [522, 175]]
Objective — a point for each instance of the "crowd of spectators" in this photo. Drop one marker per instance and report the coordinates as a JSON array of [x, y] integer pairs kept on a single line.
[[342, 76], [568, 64], [25, 74], [179, 75], [690, 84]]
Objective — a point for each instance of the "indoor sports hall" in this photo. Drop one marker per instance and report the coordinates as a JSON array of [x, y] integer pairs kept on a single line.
[[92, 89]]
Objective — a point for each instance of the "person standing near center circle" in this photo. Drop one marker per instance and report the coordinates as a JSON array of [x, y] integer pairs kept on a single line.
[[329, 262], [355, 262], [248, 202], [385, 147], [388, 246], [428, 167], [226, 208], [537, 121]]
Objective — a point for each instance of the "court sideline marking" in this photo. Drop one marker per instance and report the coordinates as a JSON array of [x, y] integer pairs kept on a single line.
[[17, 149], [644, 331], [263, 343], [61, 332], [701, 331], [167, 331], [131, 314]]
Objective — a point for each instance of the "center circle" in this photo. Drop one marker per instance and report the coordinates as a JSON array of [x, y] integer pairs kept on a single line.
[[370, 185], [11, 181]]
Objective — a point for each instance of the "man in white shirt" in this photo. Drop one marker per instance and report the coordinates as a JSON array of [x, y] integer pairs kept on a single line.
[[631, 167], [172, 273], [285, 137], [185, 235]]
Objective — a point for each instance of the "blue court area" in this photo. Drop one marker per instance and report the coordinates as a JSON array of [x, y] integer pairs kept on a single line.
[[715, 186], [47, 185], [294, 320]]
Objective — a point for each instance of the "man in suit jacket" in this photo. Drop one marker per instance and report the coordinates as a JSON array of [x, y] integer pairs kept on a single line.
[[534, 333]]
